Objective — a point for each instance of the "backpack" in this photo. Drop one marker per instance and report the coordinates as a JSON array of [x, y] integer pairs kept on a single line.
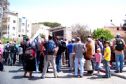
[[13, 48], [119, 45], [28, 54], [50, 47], [7, 48], [63, 46]]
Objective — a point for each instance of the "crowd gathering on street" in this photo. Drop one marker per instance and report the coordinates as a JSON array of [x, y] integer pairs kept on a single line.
[[55, 52]]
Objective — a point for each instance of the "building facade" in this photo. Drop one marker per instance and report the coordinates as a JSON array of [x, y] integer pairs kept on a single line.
[[62, 32], [24, 27], [38, 28], [12, 25], [3, 16]]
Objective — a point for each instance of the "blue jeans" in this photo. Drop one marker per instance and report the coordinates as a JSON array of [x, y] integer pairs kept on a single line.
[[107, 69], [58, 63], [79, 64], [119, 62]]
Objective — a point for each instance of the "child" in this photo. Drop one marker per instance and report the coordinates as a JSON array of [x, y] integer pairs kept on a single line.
[[107, 56], [98, 57]]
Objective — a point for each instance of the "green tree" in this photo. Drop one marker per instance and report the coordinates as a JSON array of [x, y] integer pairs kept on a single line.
[[51, 24], [102, 33]]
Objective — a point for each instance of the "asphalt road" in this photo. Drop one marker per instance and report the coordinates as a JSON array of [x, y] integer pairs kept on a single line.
[[14, 75]]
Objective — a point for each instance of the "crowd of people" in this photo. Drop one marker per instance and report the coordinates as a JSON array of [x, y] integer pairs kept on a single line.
[[77, 55]]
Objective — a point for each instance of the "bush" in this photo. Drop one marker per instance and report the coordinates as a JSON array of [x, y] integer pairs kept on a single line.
[[102, 33]]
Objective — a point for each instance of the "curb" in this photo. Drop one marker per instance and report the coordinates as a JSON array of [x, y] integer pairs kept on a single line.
[[114, 74], [118, 75]]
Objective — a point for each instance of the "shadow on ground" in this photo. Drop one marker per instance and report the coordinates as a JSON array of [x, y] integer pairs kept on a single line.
[[15, 71]]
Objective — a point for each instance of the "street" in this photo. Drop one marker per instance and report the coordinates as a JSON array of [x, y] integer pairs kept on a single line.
[[14, 75]]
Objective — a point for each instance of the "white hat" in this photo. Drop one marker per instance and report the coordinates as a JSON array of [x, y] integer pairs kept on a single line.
[[99, 49], [89, 39]]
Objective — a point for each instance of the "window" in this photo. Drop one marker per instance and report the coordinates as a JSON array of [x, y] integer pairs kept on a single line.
[[23, 24], [13, 28], [14, 21]]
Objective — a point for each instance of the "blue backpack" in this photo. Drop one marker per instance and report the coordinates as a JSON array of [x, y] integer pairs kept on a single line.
[[50, 47]]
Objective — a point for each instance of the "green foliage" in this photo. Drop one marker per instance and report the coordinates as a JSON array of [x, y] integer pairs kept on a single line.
[[51, 24], [102, 33], [4, 40]]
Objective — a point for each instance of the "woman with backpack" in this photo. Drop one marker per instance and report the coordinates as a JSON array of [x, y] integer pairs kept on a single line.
[[29, 61]]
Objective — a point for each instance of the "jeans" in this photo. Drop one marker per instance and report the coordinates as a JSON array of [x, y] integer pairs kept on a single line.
[[71, 61], [107, 69], [58, 63], [119, 62], [78, 61], [13, 58]]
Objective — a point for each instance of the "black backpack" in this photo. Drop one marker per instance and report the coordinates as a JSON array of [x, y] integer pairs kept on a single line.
[[119, 45], [63, 46]]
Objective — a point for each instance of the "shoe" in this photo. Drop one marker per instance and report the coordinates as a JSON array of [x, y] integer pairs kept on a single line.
[[58, 71], [121, 71], [81, 76], [25, 76], [116, 71], [76, 76], [56, 77], [105, 77], [43, 77]]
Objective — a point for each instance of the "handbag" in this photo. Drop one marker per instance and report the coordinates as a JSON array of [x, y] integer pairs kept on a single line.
[[88, 65]]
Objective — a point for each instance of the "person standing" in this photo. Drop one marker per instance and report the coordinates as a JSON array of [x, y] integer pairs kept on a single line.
[[13, 52], [7, 53], [50, 56], [20, 53], [119, 46], [42, 55], [89, 56], [29, 61], [79, 57], [98, 58], [61, 49], [70, 47], [107, 58]]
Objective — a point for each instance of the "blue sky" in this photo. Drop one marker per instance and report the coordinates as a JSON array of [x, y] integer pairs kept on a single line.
[[95, 13]]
